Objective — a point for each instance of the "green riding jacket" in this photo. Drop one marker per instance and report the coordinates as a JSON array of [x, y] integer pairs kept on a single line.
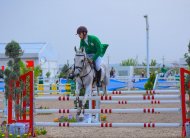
[[94, 46]]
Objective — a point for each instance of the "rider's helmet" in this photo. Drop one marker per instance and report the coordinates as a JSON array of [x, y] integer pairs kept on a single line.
[[82, 29]]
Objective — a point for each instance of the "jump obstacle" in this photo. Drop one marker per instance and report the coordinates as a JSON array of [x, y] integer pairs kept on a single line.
[[153, 99], [102, 98]]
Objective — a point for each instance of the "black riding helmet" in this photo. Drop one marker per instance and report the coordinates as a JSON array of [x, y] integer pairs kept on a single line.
[[82, 29]]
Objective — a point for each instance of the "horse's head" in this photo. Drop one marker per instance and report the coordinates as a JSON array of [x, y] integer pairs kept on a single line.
[[79, 61]]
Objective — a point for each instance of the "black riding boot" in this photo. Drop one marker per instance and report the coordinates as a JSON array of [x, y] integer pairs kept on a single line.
[[98, 75]]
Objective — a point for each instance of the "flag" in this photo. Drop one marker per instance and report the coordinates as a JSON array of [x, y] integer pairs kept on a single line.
[[2, 68], [30, 64]]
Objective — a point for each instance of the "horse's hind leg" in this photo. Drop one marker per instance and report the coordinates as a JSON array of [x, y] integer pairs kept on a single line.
[[105, 93]]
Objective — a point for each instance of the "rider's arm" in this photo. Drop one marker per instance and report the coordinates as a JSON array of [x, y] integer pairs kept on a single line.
[[98, 48]]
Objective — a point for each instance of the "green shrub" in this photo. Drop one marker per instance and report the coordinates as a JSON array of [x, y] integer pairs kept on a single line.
[[150, 83]]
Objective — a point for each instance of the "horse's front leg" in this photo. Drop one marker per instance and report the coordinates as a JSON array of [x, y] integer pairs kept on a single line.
[[88, 91], [77, 91]]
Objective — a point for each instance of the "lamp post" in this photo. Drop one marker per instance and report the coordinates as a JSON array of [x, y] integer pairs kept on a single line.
[[147, 48]]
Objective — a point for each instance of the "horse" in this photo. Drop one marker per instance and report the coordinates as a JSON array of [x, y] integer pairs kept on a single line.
[[85, 74]]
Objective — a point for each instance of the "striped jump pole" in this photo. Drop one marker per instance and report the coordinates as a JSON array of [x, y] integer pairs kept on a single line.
[[51, 84], [46, 92], [146, 92], [141, 102], [104, 111], [49, 93], [140, 97], [119, 92], [144, 125]]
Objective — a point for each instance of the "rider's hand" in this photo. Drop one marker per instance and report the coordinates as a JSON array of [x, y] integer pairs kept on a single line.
[[90, 61], [71, 76]]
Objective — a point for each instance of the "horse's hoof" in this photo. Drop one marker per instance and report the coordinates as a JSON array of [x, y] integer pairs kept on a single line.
[[78, 111], [81, 117], [77, 104]]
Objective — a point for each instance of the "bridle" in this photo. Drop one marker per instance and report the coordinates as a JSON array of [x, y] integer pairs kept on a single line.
[[78, 67], [83, 65]]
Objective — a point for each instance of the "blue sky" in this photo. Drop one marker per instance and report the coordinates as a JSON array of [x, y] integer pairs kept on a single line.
[[120, 23]]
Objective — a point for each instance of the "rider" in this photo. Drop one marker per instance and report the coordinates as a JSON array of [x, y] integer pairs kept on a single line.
[[94, 49]]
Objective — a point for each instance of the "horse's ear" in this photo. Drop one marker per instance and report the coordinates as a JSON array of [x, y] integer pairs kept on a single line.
[[75, 49]]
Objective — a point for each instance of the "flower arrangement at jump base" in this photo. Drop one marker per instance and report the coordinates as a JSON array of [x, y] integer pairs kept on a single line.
[[4, 132], [70, 119], [40, 131], [103, 117], [14, 136]]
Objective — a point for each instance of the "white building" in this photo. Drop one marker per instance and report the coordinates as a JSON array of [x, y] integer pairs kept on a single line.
[[40, 53]]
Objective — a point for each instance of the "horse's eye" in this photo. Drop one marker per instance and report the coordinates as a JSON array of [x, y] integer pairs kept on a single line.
[[82, 61]]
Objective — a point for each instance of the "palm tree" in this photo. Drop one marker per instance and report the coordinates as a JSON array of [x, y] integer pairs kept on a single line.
[[153, 62], [129, 62]]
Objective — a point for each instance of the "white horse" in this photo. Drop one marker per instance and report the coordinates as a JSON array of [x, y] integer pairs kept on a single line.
[[85, 74]]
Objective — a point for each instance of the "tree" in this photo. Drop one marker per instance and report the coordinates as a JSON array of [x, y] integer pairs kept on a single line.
[[143, 64], [48, 74], [64, 71], [37, 70], [187, 79], [23, 68], [1, 73], [129, 62], [153, 62], [12, 74], [187, 55]]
